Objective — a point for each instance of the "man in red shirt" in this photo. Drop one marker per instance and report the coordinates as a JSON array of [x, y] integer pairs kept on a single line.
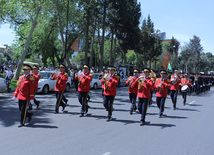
[[37, 77], [110, 82], [133, 88], [185, 82], [175, 81], [84, 79], [144, 88], [25, 94], [161, 86], [61, 79]]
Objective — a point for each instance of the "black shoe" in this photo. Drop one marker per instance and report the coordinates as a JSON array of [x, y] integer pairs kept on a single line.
[[142, 123], [63, 107], [174, 108], [66, 101], [21, 125], [30, 116], [131, 112], [82, 115], [56, 112], [37, 104], [161, 115], [108, 118]]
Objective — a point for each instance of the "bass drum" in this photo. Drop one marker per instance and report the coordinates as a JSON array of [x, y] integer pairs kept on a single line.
[[184, 88]]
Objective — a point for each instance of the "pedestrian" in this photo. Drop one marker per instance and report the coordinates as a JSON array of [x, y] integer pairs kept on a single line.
[[133, 89], [110, 82], [84, 78], [161, 86], [75, 80], [175, 82], [25, 94], [144, 88], [61, 78], [8, 78]]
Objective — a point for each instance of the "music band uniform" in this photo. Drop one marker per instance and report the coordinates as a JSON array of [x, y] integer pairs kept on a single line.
[[37, 77], [25, 94], [109, 93], [83, 89], [144, 88], [60, 87], [161, 92], [185, 81], [133, 89]]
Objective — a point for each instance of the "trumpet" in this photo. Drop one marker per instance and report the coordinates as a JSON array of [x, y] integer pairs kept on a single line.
[[161, 85]]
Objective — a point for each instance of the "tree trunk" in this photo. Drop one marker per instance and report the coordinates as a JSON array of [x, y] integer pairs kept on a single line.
[[103, 37], [111, 52], [92, 41], [115, 48], [27, 44], [86, 37]]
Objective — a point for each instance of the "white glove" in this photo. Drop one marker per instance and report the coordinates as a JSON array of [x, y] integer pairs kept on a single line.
[[14, 98], [32, 102]]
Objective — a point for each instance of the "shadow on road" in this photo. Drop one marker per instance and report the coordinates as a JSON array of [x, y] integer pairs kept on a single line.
[[160, 125]]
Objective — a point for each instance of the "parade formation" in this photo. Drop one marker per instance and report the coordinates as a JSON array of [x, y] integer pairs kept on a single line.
[[141, 85]]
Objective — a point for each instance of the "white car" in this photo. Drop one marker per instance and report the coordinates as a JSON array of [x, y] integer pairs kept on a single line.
[[96, 81], [46, 84], [2, 85]]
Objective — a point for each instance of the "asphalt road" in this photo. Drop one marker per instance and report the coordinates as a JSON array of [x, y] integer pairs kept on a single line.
[[185, 131]]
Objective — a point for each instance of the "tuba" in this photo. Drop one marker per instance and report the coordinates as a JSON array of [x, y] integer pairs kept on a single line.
[[175, 79]]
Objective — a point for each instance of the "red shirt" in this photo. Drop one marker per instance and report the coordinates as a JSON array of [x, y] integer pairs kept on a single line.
[[176, 85], [133, 84], [110, 86], [25, 88], [84, 82], [37, 77], [144, 88], [185, 81], [60, 81], [164, 87]]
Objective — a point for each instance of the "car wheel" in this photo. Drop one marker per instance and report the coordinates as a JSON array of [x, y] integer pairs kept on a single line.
[[67, 87], [45, 89], [95, 86]]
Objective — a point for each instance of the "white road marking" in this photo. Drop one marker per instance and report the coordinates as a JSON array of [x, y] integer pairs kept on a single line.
[[107, 153], [191, 102]]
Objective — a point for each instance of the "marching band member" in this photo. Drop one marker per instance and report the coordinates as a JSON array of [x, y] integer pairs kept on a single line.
[[84, 79], [161, 86], [153, 78], [61, 79], [175, 81], [185, 82], [133, 88], [25, 94], [144, 88], [37, 77], [110, 82]]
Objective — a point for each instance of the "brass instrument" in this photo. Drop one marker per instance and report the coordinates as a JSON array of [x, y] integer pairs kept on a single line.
[[175, 79], [161, 85], [141, 80]]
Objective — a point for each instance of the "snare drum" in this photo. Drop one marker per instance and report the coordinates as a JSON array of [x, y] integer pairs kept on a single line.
[[184, 88]]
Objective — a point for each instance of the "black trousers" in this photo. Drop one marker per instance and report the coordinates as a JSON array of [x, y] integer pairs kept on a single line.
[[151, 95], [59, 102], [161, 104], [108, 104], [23, 107], [174, 94], [184, 95], [133, 98], [82, 96], [142, 107], [76, 84]]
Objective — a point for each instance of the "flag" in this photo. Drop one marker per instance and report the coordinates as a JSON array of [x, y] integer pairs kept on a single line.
[[169, 67]]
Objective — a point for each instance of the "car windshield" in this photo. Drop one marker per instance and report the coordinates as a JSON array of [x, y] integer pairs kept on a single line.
[[45, 75], [96, 76]]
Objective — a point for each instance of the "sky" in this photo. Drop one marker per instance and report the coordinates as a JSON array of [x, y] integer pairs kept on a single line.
[[181, 19]]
